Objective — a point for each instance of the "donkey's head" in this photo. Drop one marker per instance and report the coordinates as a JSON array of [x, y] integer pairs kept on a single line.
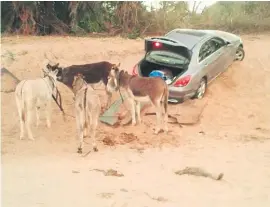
[[78, 82], [56, 67], [115, 66], [50, 73], [113, 78]]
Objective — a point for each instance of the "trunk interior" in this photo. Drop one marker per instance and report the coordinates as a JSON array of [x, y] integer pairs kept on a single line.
[[170, 72]]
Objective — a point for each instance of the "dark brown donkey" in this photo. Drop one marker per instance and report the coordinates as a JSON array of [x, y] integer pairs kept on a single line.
[[142, 89], [93, 73]]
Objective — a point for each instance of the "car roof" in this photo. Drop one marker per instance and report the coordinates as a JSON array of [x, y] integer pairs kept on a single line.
[[189, 37]]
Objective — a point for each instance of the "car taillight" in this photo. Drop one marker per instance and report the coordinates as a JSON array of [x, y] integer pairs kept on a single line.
[[182, 81], [135, 70], [157, 44]]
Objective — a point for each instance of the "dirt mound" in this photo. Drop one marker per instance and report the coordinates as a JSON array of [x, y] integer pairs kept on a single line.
[[122, 139], [8, 81]]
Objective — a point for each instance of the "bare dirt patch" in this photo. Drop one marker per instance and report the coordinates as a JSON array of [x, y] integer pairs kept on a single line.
[[232, 137]]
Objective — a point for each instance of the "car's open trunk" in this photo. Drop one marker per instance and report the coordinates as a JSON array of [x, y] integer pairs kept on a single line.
[[146, 68]]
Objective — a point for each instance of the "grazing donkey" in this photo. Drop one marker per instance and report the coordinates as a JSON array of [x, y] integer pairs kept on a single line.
[[31, 94], [87, 109], [93, 73], [142, 89]]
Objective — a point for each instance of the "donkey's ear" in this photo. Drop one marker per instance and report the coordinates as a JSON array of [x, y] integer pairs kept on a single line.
[[113, 67], [48, 66], [55, 71], [46, 69], [56, 65]]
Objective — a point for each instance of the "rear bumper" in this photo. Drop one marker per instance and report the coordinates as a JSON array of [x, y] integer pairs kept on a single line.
[[177, 95]]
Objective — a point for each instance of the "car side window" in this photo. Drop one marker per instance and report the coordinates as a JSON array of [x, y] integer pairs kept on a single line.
[[210, 47], [218, 43], [205, 51]]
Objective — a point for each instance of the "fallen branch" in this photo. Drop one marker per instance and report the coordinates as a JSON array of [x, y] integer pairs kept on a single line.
[[183, 123], [109, 172], [196, 171]]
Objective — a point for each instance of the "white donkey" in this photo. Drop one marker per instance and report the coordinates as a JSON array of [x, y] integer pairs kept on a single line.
[[30, 95], [87, 109]]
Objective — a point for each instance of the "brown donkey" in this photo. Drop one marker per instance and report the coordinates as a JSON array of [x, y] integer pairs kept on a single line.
[[87, 108], [142, 89]]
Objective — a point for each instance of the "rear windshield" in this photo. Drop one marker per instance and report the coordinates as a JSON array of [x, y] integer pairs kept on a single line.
[[166, 57]]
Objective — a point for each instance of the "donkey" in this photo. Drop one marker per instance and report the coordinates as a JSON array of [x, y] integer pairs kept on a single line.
[[142, 89], [93, 73], [87, 109], [30, 94]]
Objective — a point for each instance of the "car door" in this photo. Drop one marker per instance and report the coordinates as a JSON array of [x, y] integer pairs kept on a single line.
[[208, 60], [222, 50], [221, 55], [230, 50]]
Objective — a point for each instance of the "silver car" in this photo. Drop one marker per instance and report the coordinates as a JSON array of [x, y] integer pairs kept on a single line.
[[188, 60]]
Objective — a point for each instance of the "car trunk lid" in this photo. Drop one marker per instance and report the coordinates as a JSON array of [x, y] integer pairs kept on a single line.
[[163, 43]]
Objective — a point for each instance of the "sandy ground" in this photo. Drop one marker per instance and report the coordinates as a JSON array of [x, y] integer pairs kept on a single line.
[[232, 137]]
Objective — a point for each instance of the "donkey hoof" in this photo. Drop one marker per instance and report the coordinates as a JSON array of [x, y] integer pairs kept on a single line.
[[133, 124], [157, 131], [95, 149], [166, 130], [31, 138], [79, 150]]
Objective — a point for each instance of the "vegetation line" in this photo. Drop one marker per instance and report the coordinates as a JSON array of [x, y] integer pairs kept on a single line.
[[130, 19]]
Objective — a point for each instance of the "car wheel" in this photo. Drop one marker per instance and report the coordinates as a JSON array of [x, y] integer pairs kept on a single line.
[[240, 54], [201, 90]]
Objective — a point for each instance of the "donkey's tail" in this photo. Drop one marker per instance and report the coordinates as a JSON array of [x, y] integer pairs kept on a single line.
[[85, 109]]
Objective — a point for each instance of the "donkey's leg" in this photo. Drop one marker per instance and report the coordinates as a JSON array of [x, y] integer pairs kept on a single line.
[[166, 129], [80, 123], [133, 108], [48, 113], [138, 111], [28, 123], [164, 118], [94, 123], [158, 114], [109, 98], [86, 126], [21, 117], [37, 116], [37, 107]]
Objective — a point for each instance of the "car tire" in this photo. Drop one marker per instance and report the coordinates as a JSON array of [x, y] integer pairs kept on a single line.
[[201, 90], [240, 54]]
